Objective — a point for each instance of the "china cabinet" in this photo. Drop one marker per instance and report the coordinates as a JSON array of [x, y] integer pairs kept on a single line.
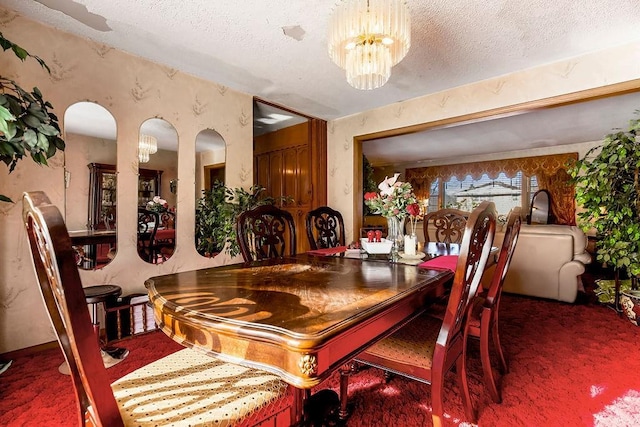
[[102, 193]]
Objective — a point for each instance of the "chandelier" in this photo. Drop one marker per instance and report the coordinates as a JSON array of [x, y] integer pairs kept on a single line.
[[146, 145], [367, 38]]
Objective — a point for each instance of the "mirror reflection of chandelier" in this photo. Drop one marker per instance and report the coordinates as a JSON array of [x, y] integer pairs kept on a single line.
[[367, 38], [146, 145]]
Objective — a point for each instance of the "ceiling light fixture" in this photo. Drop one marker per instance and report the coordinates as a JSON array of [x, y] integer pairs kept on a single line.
[[367, 38], [147, 145]]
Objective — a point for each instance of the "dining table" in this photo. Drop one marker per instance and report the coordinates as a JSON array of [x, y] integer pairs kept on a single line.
[[301, 317]]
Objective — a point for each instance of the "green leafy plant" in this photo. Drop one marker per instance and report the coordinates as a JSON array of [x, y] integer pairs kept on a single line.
[[608, 189], [26, 124], [368, 182], [216, 214]]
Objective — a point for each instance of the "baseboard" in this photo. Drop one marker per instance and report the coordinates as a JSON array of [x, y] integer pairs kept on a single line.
[[28, 351]]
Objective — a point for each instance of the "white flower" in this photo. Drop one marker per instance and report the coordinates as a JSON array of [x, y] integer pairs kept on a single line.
[[386, 186]]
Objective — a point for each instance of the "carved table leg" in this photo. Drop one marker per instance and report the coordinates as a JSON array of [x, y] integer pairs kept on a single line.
[[345, 371]]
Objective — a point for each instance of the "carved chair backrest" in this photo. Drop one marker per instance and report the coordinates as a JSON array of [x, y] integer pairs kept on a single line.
[[446, 225], [474, 253], [266, 232], [148, 223], [63, 295], [325, 228], [512, 231]]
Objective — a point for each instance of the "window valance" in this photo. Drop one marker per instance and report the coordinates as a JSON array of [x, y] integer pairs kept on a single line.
[[551, 172]]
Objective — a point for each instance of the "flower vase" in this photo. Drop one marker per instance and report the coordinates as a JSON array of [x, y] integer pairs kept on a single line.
[[395, 233]]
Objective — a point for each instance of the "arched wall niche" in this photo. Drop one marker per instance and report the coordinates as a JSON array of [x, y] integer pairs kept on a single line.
[[90, 132], [157, 190], [210, 176]]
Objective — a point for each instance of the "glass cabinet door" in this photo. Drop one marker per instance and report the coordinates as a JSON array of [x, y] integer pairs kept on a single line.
[[102, 197]]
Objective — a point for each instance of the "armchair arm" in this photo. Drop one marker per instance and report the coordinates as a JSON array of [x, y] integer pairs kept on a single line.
[[569, 280]]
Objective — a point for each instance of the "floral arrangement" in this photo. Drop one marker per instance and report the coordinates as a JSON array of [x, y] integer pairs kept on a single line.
[[393, 200], [157, 205]]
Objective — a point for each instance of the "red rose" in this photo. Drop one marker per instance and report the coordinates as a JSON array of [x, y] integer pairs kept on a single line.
[[370, 195], [413, 209]]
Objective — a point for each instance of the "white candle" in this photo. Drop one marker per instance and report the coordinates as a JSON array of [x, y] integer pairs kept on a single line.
[[409, 245]]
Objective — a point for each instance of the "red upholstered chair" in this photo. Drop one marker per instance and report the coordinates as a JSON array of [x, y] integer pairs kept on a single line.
[[426, 348], [446, 262], [446, 225], [325, 228], [265, 232], [483, 320], [185, 388]]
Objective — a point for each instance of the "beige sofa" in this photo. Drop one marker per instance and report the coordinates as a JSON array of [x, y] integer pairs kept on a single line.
[[547, 263]]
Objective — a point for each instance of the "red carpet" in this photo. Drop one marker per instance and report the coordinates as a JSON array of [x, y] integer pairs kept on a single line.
[[571, 365]]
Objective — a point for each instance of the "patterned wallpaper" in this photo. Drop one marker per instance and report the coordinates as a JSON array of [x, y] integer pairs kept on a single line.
[[133, 90]]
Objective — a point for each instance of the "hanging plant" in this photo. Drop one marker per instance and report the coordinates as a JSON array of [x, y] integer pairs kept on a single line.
[[26, 124], [608, 190]]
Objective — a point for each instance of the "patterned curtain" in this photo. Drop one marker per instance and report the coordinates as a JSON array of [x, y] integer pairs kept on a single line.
[[551, 172]]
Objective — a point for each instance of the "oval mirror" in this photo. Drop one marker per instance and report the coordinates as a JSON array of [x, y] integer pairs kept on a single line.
[[211, 152], [90, 183], [157, 170], [540, 208]]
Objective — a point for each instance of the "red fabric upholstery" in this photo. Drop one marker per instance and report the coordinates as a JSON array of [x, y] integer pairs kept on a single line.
[[446, 262], [328, 251]]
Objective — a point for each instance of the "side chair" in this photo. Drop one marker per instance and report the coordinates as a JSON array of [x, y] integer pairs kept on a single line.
[[425, 348], [483, 318], [446, 225], [325, 228], [266, 232], [184, 388], [148, 223]]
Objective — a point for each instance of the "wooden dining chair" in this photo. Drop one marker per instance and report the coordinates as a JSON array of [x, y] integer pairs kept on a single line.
[[325, 228], [445, 225], [185, 388], [426, 348], [148, 223], [265, 232], [483, 317]]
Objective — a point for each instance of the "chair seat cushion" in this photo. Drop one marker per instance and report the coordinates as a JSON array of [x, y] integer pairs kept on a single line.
[[412, 345], [191, 388], [446, 262]]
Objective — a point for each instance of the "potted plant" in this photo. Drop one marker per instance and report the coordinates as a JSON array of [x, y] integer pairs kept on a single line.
[[26, 124], [216, 214], [608, 190]]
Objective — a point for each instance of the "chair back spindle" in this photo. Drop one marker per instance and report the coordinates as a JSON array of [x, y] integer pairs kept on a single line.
[[266, 232], [445, 225], [325, 228]]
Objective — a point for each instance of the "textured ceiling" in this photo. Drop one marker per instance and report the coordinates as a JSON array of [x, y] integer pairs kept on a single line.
[[277, 50], [243, 45]]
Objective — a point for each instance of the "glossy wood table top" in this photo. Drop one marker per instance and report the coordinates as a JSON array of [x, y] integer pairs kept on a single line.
[[300, 317], [92, 237]]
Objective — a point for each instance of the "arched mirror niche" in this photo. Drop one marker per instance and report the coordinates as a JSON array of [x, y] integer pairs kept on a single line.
[[157, 198], [211, 153], [90, 183]]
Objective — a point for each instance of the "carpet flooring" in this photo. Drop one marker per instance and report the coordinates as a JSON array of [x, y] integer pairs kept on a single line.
[[570, 365]]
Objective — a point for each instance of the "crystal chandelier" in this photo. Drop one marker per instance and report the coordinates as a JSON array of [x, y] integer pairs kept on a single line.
[[367, 38], [146, 145]]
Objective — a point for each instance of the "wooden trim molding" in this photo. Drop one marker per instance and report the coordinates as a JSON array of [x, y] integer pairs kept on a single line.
[[607, 91]]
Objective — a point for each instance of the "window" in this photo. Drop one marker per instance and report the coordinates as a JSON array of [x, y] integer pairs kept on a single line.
[[468, 193]]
